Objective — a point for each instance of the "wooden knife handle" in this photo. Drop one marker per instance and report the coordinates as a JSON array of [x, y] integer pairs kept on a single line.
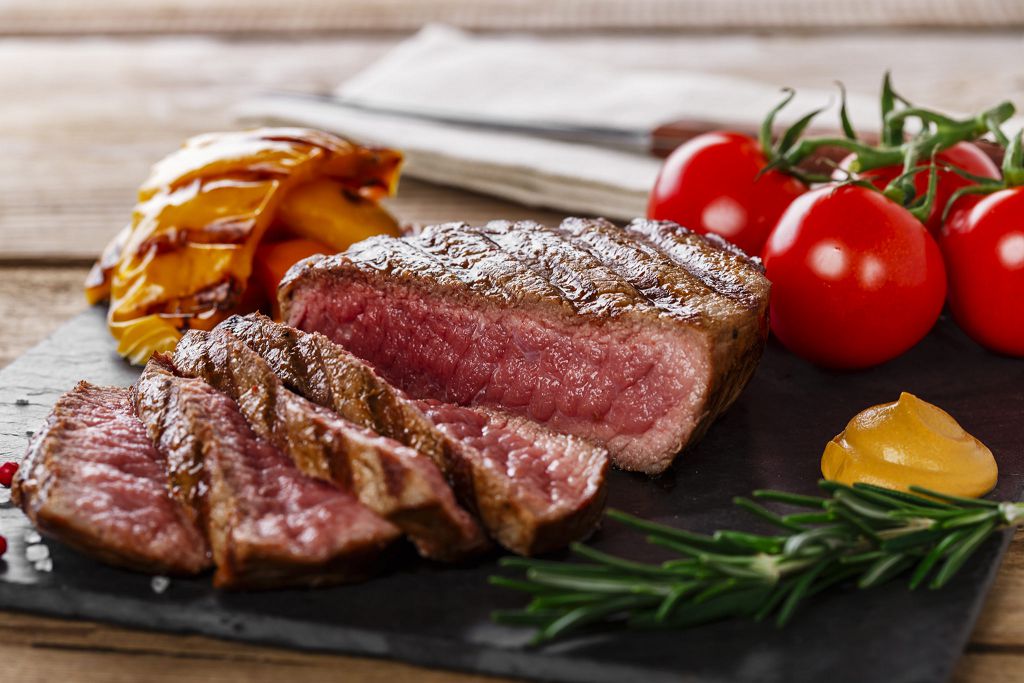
[[667, 137]]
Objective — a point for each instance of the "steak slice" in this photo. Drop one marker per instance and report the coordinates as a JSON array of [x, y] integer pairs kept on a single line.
[[621, 337], [269, 525], [399, 483], [533, 489], [92, 479], [539, 489]]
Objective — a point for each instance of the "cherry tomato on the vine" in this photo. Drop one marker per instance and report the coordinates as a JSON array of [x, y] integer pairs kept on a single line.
[[856, 279], [964, 155], [983, 244], [711, 184]]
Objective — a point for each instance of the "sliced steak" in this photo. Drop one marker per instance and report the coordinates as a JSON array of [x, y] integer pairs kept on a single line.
[[92, 479], [397, 482], [269, 525], [632, 338], [540, 489], [533, 489]]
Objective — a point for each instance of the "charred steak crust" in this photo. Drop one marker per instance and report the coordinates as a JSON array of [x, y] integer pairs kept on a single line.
[[92, 479], [480, 265], [478, 450], [583, 281], [269, 525], [155, 400], [395, 481], [636, 338]]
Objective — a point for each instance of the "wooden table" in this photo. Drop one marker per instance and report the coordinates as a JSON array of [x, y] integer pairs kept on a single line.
[[83, 115]]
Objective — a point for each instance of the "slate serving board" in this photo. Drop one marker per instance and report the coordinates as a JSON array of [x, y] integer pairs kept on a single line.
[[438, 617]]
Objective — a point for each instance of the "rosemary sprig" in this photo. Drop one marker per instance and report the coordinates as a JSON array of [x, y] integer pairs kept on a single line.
[[861, 534]]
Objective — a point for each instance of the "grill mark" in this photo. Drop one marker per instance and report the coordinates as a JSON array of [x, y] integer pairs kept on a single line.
[[157, 401], [664, 283], [721, 266], [257, 392], [485, 268], [591, 287], [402, 259]]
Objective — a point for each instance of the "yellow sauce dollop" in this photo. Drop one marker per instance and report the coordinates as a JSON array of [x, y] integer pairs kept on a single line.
[[910, 442]]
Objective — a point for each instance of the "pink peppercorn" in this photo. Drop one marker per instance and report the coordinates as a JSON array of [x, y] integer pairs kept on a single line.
[[7, 472]]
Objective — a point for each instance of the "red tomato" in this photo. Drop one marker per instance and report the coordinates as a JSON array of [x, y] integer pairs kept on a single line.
[[710, 184], [964, 155], [983, 243], [856, 279]]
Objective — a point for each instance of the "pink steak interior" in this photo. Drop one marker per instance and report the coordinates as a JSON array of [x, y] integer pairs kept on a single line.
[[635, 388], [550, 468], [279, 508]]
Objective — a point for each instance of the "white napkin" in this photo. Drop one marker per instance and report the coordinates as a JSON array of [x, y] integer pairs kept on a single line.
[[531, 171], [445, 72]]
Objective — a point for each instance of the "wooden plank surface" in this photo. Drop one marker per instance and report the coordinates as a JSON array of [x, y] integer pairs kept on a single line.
[[84, 117], [35, 649], [228, 16]]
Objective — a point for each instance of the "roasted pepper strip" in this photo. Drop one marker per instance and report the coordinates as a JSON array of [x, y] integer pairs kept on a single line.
[[186, 258]]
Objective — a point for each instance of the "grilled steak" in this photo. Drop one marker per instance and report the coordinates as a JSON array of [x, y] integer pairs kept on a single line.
[[537, 490], [92, 479], [399, 483], [269, 525], [533, 489], [635, 338]]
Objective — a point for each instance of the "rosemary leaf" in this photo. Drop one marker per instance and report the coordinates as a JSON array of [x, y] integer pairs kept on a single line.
[[909, 498], [962, 551], [937, 552], [614, 562], [883, 569], [800, 588], [766, 514], [962, 502], [796, 499], [581, 616]]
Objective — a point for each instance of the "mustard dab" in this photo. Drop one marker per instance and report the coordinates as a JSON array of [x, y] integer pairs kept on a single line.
[[910, 442]]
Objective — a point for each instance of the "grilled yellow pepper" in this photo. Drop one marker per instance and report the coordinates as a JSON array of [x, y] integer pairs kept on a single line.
[[910, 442], [186, 258]]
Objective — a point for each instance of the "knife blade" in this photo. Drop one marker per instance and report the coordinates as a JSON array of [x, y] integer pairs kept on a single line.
[[659, 142]]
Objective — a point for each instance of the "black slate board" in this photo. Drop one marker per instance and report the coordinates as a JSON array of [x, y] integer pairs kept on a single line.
[[433, 616]]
